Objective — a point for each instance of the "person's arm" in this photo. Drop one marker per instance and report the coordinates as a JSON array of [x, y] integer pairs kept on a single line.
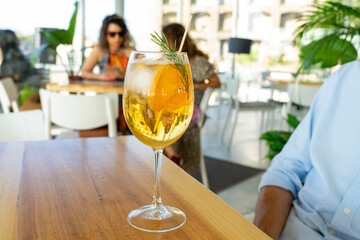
[[90, 63], [285, 177], [272, 210], [128, 50], [212, 81]]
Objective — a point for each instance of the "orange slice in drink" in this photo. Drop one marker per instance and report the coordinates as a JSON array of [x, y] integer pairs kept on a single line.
[[167, 91]]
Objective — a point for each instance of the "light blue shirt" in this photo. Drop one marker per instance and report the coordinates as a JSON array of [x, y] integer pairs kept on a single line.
[[320, 164]]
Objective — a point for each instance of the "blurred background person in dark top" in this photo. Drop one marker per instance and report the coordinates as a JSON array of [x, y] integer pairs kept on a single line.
[[14, 63], [186, 151]]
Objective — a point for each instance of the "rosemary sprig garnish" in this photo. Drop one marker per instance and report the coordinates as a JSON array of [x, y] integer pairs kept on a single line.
[[173, 57]]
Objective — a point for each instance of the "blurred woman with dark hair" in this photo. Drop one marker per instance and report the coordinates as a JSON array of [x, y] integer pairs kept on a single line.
[[186, 151], [14, 63], [112, 52]]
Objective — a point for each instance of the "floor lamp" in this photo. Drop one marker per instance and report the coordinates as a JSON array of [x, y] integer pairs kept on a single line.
[[238, 45]]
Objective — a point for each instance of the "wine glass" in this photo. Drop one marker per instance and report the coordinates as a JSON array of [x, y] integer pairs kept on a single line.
[[158, 103]]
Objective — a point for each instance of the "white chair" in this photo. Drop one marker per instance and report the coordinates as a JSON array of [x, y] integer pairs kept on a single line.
[[229, 127], [203, 106], [8, 95], [80, 112], [22, 126], [301, 94], [279, 81]]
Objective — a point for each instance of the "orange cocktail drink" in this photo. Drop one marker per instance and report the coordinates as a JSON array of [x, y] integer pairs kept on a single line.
[[158, 104]]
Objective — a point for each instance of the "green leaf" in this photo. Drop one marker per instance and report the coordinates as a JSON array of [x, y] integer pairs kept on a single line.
[[26, 92], [328, 51], [329, 16], [35, 54], [71, 28], [336, 26], [270, 136], [55, 37], [276, 146], [292, 121], [271, 154], [276, 140], [275, 136]]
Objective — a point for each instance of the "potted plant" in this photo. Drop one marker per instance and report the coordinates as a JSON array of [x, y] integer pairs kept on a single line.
[[56, 37], [276, 140], [328, 36]]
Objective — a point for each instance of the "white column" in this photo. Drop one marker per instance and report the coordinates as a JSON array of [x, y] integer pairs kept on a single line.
[[140, 29], [179, 11], [119, 7], [234, 33], [82, 10], [234, 30]]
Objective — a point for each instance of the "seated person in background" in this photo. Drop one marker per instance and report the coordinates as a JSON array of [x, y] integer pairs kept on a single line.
[[14, 64], [186, 151], [312, 188], [112, 53]]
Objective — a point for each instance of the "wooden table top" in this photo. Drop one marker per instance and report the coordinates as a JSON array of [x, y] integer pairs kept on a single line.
[[85, 188], [286, 82], [87, 86]]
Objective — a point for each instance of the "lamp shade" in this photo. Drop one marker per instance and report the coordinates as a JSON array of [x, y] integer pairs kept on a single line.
[[239, 45]]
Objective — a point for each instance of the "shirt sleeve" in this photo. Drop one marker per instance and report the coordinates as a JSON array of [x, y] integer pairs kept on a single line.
[[289, 168]]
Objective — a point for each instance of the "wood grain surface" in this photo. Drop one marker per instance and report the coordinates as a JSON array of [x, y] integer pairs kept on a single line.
[[85, 188], [285, 82], [87, 86], [11, 159], [32, 103]]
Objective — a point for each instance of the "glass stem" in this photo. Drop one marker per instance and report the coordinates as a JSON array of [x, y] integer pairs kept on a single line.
[[156, 203]]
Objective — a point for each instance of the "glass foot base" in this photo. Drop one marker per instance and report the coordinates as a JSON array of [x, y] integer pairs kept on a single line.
[[161, 219]]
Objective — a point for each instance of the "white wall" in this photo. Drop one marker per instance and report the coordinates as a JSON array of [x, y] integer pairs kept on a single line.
[[142, 18]]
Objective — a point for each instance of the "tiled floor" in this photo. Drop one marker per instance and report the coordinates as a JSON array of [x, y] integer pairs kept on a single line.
[[245, 149]]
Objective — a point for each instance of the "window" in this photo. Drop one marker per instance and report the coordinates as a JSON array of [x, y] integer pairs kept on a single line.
[[202, 44], [288, 19], [224, 48], [94, 16], [259, 22], [225, 21], [35, 17], [200, 22], [169, 18]]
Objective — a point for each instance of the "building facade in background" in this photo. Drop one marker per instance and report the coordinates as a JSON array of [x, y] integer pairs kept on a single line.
[[269, 23]]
